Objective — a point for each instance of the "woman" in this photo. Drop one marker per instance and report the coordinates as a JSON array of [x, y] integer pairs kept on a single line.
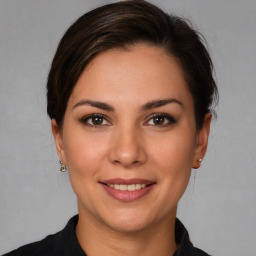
[[129, 95]]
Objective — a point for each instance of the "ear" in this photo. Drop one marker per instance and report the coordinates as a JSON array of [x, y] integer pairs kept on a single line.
[[202, 141], [58, 140]]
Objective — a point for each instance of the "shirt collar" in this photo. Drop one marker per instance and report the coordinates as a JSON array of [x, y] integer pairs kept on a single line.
[[72, 246], [182, 239]]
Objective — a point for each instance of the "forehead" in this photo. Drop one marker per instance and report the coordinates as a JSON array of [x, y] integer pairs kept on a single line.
[[141, 70]]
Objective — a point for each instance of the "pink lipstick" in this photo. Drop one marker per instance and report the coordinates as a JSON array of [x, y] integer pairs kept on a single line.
[[127, 190]]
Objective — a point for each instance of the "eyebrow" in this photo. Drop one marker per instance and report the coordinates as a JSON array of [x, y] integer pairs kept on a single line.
[[96, 104], [160, 103], [150, 105]]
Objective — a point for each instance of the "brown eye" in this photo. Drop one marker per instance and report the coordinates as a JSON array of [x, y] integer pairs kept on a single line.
[[161, 120], [158, 120], [95, 120]]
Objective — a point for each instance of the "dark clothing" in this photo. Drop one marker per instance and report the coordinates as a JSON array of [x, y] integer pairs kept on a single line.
[[65, 243]]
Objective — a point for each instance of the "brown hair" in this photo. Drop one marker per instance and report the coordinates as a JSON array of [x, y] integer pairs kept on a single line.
[[123, 24]]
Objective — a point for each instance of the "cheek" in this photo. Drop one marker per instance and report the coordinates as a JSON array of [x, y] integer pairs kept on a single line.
[[84, 152], [175, 150], [173, 157], [84, 156]]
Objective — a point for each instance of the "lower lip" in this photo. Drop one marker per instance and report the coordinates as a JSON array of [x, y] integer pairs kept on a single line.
[[128, 196]]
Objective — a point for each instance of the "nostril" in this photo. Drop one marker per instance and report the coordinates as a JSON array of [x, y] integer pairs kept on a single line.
[[126, 162], [116, 162], [127, 153]]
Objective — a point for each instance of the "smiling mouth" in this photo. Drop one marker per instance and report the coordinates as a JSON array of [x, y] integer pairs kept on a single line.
[[127, 190], [128, 187]]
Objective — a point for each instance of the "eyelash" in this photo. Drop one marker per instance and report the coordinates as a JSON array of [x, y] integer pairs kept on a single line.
[[85, 120], [170, 120]]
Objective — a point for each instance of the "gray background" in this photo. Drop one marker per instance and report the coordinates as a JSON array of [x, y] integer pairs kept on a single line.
[[35, 199]]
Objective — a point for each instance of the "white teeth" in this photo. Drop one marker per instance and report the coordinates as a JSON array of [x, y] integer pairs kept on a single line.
[[116, 186], [130, 187], [123, 187], [138, 186]]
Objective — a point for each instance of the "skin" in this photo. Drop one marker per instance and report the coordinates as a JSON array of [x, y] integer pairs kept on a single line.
[[129, 143]]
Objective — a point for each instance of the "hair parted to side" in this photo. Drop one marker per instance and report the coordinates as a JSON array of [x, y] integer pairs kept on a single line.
[[124, 24]]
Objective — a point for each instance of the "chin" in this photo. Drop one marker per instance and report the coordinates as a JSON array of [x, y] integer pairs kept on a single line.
[[129, 221], [128, 226]]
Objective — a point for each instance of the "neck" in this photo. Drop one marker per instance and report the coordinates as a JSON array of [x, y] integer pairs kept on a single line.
[[98, 239]]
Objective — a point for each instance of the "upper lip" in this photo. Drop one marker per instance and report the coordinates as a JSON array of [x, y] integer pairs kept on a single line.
[[127, 181]]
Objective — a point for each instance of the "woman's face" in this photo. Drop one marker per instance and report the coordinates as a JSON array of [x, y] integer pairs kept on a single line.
[[129, 138]]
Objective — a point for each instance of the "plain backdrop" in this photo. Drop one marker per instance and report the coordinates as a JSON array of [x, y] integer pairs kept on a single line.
[[219, 206]]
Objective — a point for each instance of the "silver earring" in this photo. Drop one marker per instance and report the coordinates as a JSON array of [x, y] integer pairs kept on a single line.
[[63, 168], [200, 160]]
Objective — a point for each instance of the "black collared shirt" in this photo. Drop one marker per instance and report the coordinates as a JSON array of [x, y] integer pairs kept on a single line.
[[65, 243]]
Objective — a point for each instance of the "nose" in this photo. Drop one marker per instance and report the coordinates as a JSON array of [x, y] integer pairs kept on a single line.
[[128, 149]]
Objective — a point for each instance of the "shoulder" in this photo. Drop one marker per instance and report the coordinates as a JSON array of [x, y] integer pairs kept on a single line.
[[47, 246], [199, 252], [62, 243], [186, 247]]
